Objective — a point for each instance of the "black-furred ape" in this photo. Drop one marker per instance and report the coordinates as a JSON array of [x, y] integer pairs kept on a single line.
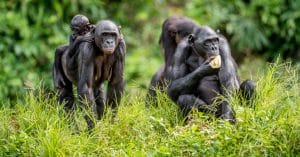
[[100, 58], [198, 66]]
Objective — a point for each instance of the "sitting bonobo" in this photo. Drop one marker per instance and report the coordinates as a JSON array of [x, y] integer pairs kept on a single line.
[[203, 68], [192, 55], [99, 59]]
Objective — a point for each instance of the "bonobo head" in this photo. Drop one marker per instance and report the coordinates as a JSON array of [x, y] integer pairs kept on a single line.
[[107, 36], [80, 24], [205, 42]]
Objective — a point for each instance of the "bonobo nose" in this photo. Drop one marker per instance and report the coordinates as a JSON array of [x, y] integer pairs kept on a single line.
[[109, 41], [214, 48]]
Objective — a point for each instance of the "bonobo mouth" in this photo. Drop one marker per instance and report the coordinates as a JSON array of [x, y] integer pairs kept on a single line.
[[215, 61], [213, 53], [108, 50]]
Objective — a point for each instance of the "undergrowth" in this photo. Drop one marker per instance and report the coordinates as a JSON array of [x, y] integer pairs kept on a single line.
[[37, 126]]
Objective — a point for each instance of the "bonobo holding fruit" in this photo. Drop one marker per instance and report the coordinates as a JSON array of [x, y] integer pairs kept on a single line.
[[201, 67], [99, 59]]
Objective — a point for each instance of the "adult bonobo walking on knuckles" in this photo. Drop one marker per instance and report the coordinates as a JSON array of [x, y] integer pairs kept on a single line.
[[95, 61], [201, 68]]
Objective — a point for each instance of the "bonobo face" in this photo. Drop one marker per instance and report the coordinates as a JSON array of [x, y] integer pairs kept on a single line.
[[80, 24], [108, 42], [205, 42], [107, 36]]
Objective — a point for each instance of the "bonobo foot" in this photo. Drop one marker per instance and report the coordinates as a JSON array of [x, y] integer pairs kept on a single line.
[[90, 123], [229, 117], [227, 113], [188, 102]]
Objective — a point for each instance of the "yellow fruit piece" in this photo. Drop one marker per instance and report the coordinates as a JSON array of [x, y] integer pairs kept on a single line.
[[216, 62]]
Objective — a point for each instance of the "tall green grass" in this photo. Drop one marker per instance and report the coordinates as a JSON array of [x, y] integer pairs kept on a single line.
[[37, 126]]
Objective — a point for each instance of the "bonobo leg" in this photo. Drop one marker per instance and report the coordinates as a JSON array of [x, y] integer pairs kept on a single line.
[[87, 100], [187, 102], [61, 83], [114, 94], [65, 95], [100, 100], [158, 82]]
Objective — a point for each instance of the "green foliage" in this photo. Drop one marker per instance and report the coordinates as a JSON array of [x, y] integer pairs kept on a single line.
[[38, 127], [31, 30], [263, 26]]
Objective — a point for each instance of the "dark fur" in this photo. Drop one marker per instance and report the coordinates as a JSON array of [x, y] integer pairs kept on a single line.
[[80, 25], [174, 29], [193, 83], [89, 67]]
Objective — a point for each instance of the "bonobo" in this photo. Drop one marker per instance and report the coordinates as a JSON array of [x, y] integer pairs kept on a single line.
[[199, 66], [195, 80], [174, 29], [80, 25], [96, 61]]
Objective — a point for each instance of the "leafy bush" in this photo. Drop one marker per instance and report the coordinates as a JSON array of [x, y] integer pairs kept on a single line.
[[268, 28], [31, 30]]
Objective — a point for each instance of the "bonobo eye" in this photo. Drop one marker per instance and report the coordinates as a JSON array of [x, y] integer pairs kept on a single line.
[[206, 42], [105, 34], [215, 40]]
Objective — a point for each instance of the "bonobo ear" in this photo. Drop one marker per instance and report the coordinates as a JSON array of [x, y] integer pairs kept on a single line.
[[120, 37], [173, 34], [191, 38], [93, 30]]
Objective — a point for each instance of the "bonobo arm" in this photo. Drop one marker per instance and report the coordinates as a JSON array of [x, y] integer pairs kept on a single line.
[[86, 73], [73, 49], [180, 68], [228, 73], [189, 80], [74, 45], [116, 83]]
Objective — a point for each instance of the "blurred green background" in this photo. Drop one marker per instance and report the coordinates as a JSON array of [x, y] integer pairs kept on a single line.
[[30, 31]]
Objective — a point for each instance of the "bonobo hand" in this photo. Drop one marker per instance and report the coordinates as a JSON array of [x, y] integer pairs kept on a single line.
[[85, 38], [210, 66], [214, 62]]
